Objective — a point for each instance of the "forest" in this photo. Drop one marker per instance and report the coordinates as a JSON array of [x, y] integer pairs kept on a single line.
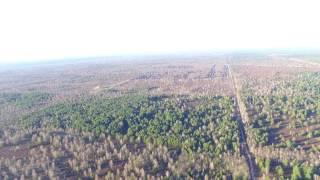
[[193, 129], [198, 125], [229, 116], [285, 122]]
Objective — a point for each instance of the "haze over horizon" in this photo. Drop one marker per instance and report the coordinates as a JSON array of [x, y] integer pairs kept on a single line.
[[42, 29]]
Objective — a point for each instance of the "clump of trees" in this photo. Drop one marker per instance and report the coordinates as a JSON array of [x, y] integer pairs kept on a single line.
[[129, 136], [15, 105], [203, 124], [290, 105], [283, 118], [26, 100], [285, 169], [57, 153]]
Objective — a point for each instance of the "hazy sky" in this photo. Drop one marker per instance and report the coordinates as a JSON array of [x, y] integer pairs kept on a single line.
[[48, 29]]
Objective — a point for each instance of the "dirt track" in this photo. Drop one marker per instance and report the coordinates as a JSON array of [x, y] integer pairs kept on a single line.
[[244, 148]]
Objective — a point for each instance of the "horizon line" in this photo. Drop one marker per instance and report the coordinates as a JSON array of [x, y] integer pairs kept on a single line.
[[148, 54]]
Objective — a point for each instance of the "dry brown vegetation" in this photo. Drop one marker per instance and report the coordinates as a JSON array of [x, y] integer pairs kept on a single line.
[[56, 153]]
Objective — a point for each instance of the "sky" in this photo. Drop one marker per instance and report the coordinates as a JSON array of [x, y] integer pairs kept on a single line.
[[35, 30]]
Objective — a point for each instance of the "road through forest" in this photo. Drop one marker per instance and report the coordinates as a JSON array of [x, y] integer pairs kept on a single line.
[[244, 148]]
